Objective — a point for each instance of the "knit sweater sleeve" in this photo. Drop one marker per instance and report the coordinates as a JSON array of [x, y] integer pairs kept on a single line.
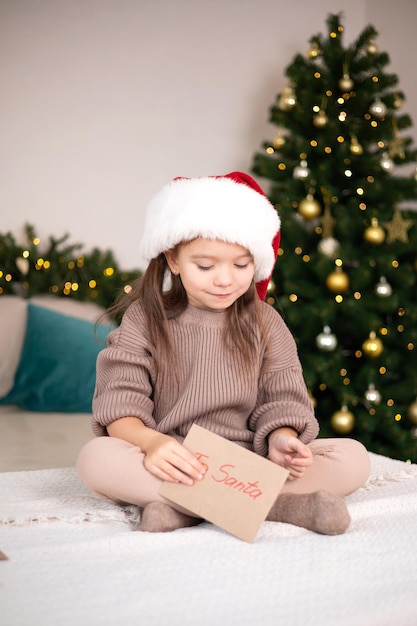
[[124, 374], [283, 400]]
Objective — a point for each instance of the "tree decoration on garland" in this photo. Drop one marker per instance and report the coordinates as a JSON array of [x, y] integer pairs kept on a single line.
[[398, 228], [346, 275], [60, 268], [343, 421]]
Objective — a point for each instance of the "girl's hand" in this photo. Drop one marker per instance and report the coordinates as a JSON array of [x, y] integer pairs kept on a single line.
[[167, 459], [290, 453]]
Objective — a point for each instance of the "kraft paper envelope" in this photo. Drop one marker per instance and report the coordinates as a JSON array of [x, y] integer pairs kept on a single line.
[[238, 489]]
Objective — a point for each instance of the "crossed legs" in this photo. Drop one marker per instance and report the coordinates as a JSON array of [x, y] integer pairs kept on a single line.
[[114, 469]]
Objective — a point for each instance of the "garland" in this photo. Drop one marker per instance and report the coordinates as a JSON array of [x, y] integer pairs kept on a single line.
[[60, 268]]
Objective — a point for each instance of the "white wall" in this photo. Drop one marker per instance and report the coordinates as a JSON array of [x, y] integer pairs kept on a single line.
[[104, 101]]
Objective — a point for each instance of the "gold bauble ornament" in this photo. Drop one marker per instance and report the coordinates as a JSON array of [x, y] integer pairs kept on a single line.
[[287, 99], [372, 48], [374, 234], [312, 398], [398, 101], [342, 421], [337, 281], [412, 412], [309, 208], [279, 141], [314, 51], [355, 146], [346, 83], [320, 119], [373, 346]]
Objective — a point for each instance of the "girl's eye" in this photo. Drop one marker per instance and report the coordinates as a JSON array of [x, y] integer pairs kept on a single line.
[[242, 267], [203, 268]]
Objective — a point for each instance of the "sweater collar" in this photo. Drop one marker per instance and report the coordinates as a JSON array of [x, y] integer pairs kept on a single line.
[[195, 315]]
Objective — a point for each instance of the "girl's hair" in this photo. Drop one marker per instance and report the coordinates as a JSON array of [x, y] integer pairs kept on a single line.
[[162, 304]]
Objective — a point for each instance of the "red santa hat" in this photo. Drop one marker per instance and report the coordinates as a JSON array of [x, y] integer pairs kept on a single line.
[[231, 208]]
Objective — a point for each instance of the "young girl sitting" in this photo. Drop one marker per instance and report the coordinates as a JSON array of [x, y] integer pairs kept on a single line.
[[197, 345]]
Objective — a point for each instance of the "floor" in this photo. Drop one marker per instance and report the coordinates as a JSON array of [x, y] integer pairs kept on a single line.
[[32, 441]]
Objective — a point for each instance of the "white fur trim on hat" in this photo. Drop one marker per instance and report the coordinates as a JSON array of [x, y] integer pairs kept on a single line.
[[212, 208]]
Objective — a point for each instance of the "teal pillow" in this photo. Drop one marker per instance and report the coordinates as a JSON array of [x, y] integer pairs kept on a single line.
[[57, 368]]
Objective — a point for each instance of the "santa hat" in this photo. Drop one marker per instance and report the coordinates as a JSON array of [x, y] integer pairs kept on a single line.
[[231, 208]]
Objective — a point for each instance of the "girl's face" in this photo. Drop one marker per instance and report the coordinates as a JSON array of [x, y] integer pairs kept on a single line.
[[213, 273]]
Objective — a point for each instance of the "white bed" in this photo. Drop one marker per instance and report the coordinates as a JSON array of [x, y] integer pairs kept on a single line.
[[75, 560]]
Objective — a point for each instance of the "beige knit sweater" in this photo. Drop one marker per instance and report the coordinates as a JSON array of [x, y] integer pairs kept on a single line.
[[215, 390]]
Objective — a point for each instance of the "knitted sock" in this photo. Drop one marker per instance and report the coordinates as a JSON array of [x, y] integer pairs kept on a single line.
[[319, 511], [158, 517]]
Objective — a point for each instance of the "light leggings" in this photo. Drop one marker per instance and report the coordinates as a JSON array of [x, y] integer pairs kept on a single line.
[[114, 469]]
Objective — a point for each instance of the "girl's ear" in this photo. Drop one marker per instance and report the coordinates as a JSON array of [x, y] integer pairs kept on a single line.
[[171, 260]]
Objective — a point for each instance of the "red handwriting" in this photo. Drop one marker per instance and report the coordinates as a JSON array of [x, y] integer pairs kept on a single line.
[[251, 489], [200, 456]]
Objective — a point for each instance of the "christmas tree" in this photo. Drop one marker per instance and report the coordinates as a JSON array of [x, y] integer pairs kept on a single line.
[[345, 279]]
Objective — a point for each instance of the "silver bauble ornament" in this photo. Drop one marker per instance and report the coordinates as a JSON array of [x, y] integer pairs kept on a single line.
[[372, 394], [386, 162], [301, 172], [326, 340], [22, 265], [329, 246], [383, 289], [378, 109]]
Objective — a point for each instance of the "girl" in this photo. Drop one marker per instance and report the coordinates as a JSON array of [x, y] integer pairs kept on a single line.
[[197, 344]]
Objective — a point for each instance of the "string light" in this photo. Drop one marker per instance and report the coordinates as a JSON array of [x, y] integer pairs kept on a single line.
[[60, 273]]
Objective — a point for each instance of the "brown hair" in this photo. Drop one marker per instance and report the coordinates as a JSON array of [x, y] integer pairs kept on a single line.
[[161, 305]]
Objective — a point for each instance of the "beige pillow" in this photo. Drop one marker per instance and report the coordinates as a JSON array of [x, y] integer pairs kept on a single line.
[[84, 310], [13, 316]]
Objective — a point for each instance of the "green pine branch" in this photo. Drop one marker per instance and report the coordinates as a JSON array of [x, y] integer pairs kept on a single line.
[[60, 268]]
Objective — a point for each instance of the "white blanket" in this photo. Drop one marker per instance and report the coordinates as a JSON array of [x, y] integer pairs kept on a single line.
[[73, 560]]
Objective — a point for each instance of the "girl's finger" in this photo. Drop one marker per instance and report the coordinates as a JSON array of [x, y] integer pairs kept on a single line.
[[167, 471]]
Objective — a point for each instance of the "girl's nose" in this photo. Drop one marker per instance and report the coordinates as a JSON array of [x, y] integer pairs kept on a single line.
[[223, 277]]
